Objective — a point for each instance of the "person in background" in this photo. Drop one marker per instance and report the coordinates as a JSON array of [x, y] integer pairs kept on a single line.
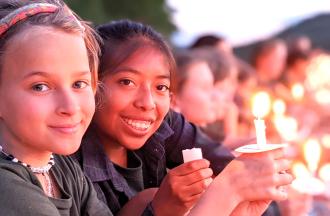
[[210, 40], [225, 70], [247, 84], [269, 61], [193, 89], [296, 70]]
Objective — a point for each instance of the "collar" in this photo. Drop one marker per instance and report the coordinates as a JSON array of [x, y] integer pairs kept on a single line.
[[95, 163], [97, 166]]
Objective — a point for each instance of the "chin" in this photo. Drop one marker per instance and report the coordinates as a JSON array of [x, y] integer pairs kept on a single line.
[[67, 149], [133, 146]]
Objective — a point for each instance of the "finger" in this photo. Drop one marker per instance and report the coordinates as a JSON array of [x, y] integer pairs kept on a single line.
[[274, 180], [190, 167], [198, 187], [280, 194], [262, 193], [282, 179], [266, 187], [281, 165], [192, 200], [197, 176]]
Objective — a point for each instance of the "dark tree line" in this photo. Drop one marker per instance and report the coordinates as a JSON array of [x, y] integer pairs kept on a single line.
[[152, 12]]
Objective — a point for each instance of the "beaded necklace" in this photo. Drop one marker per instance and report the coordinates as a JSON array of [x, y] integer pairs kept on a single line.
[[44, 170]]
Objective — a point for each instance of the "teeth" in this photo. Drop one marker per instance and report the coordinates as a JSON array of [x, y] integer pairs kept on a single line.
[[138, 124]]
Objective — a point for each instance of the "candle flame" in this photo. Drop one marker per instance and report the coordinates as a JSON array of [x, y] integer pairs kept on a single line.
[[322, 96], [326, 140], [312, 153], [324, 172], [297, 91], [287, 127], [279, 107], [299, 170], [261, 104]]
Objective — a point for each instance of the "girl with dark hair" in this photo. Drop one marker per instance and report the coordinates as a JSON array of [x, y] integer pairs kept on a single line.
[[134, 138]]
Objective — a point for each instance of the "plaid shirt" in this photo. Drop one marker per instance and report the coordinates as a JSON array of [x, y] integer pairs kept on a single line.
[[163, 150]]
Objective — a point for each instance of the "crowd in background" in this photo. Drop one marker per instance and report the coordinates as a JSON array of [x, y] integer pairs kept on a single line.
[[288, 81]]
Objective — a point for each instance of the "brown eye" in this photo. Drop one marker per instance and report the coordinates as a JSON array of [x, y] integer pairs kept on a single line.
[[163, 88], [126, 82]]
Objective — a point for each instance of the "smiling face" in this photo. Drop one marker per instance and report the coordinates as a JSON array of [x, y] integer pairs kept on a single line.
[[46, 96], [136, 100]]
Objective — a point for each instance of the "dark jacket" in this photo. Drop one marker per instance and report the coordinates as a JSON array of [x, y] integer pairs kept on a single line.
[[163, 150]]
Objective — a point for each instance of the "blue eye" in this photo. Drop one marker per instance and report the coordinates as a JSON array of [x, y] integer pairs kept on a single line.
[[80, 84], [40, 87]]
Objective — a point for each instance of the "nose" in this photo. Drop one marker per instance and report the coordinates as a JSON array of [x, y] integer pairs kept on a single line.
[[67, 103], [144, 99]]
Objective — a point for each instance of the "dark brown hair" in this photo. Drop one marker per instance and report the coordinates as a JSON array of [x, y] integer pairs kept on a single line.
[[122, 38], [264, 48], [185, 59]]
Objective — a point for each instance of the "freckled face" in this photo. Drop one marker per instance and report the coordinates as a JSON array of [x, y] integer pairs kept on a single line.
[[46, 96], [136, 99]]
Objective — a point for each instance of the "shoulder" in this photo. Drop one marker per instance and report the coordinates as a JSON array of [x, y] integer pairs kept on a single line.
[[13, 171], [174, 118], [21, 194]]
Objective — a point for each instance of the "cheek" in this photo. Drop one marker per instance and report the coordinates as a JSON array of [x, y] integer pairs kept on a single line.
[[163, 106], [112, 104], [88, 105]]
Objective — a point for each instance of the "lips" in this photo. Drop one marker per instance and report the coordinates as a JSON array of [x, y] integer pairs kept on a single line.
[[66, 128], [141, 125]]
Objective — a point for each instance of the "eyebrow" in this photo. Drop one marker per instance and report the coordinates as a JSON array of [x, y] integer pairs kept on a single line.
[[130, 70], [45, 74]]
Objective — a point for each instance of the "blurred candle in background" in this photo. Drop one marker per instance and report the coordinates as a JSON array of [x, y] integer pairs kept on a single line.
[[312, 154], [297, 91]]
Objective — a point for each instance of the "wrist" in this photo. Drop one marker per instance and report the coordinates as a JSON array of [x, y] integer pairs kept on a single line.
[[158, 208], [226, 183]]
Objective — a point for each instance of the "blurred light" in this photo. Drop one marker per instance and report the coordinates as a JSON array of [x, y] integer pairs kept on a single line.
[[297, 91], [261, 104], [305, 182], [318, 78], [299, 170], [326, 140], [324, 172], [287, 127], [312, 153], [279, 107], [322, 96]]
